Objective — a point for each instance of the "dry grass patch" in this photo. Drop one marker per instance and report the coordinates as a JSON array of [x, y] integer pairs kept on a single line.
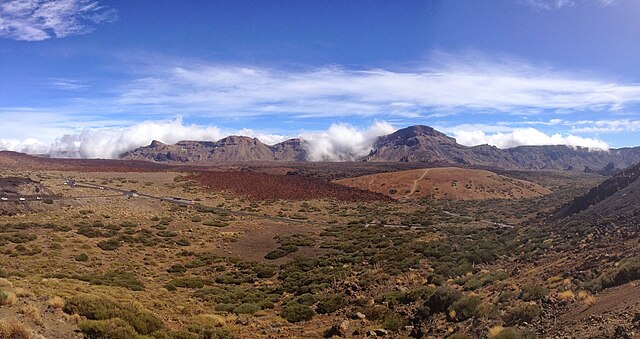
[[32, 312], [56, 302], [566, 295], [12, 329], [7, 298], [4, 283], [495, 330]]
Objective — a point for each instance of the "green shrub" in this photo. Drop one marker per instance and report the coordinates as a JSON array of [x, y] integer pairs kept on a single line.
[[514, 333], [442, 298], [3, 297], [177, 268], [295, 312], [331, 303], [115, 328], [99, 308], [263, 272], [216, 223], [459, 336], [247, 309], [522, 313], [281, 251], [109, 245], [393, 322], [628, 270], [119, 278], [533, 292], [210, 332], [183, 242], [82, 257], [164, 334], [465, 307]]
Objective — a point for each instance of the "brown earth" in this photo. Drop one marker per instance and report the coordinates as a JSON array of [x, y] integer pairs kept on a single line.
[[264, 186], [19, 161], [447, 183]]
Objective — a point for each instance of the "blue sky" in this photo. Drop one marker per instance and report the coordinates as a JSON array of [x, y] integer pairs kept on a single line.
[[83, 75]]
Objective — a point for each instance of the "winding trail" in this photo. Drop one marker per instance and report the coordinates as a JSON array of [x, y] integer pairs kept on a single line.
[[415, 183]]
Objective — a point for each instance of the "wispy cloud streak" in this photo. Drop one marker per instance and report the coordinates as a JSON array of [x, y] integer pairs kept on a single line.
[[219, 90], [36, 20]]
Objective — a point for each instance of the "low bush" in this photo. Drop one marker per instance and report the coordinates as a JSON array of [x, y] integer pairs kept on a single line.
[[533, 292], [628, 270], [521, 313], [109, 245], [465, 307], [295, 312], [82, 257], [514, 333], [246, 309], [115, 328], [119, 278], [331, 303], [12, 329], [442, 298], [100, 308]]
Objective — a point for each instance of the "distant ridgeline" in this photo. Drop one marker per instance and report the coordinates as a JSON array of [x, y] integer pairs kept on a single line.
[[412, 144]]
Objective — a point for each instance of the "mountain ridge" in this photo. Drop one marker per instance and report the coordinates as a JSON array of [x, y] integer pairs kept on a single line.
[[417, 143]]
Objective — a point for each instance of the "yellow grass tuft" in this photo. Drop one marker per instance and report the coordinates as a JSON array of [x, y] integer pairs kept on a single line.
[[586, 298], [56, 302], [21, 292], [211, 320], [14, 329], [5, 283], [32, 312], [566, 295], [7, 298], [495, 330]]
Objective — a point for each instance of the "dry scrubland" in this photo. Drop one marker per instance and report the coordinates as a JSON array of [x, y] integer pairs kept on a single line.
[[348, 263]]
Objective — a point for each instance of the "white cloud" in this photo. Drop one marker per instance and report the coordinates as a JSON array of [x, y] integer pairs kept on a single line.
[[340, 142], [549, 5], [110, 143], [524, 136], [30, 146], [455, 85], [343, 142], [269, 139], [36, 20], [605, 126]]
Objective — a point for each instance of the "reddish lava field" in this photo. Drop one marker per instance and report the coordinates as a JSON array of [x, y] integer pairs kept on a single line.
[[264, 186]]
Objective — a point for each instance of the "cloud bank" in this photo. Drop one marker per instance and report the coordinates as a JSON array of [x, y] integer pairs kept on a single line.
[[110, 143], [36, 20], [340, 142], [29, 146], [343, 142], [450, 86], [525, 136]]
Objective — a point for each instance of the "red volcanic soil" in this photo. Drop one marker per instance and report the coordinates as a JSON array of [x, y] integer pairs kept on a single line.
[[20, 161], [265, 186]]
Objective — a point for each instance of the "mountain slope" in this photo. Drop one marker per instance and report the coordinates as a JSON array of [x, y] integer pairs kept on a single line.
[[232, 148], [424, 144], [617, 198], [418, 144]]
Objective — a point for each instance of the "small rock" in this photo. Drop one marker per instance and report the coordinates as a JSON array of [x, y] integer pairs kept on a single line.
[[381, 332], [361, 316]]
